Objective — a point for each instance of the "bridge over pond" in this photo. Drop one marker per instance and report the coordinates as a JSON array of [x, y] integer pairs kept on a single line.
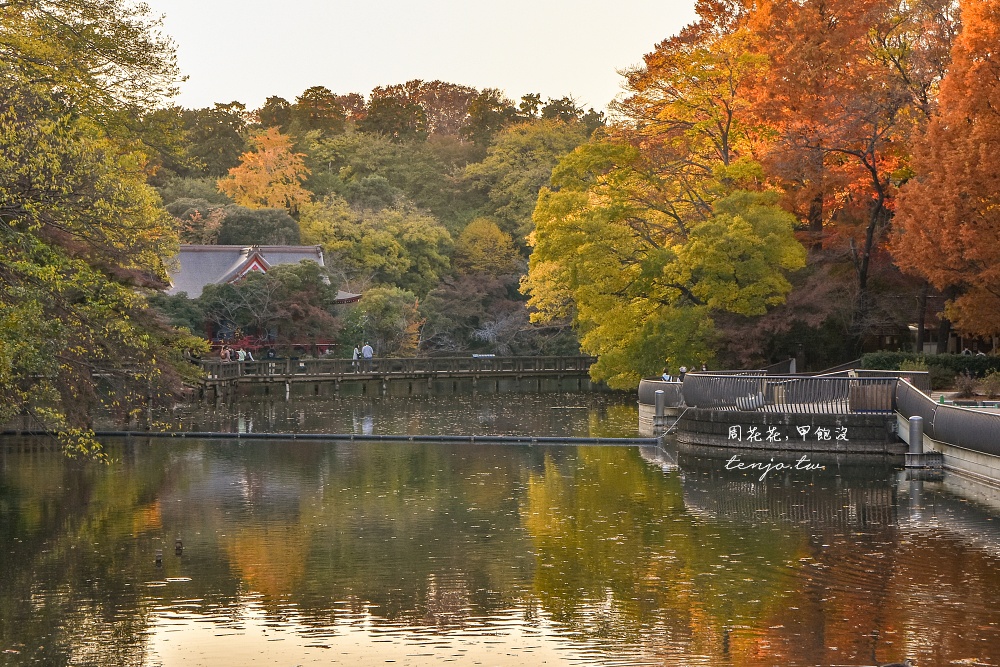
[[852, 411], [403, 375], [857, 412]]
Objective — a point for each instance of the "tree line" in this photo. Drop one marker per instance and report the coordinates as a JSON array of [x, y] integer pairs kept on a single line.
[[777, 174], [783, 174], [420, 195]]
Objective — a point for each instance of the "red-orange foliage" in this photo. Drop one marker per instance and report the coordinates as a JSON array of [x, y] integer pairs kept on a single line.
[[949, 217], [847, 84], [840, 114]]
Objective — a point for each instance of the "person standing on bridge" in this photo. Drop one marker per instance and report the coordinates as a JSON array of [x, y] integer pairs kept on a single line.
[[354, 359], [366, 353]]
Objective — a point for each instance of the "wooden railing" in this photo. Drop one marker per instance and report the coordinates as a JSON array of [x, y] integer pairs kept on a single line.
[[391, 366]]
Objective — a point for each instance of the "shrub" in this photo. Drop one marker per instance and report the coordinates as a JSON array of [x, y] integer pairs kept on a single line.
[[918, 364], [990, 384], [943, 368], [940, 377], [975, 365], [966, 385]]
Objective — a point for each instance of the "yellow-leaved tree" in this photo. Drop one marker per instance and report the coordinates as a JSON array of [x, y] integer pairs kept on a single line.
[[270, 175], [648, 231]]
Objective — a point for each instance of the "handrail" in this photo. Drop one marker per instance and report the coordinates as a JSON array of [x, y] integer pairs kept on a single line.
[[387, 366], [790, 393], [948, 424], [919, 379]]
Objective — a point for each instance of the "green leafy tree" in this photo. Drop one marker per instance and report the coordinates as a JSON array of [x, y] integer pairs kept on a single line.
[[396, 118], [640, 282], [214, 138], [82, 235], [179, 310], [400, 247], [108, 58], [421, 172], [275, 112], [483, 247], [263, 226], [564, 109], [389, 318], [189, 187], [318, 108], [372, 193], [517, 165], [488, 113]]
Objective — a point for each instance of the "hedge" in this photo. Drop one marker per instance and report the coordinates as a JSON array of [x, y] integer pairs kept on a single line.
[[975, 365]]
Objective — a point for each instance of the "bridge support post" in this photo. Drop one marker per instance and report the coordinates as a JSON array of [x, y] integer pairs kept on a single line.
[[916, 435], [915, 455]]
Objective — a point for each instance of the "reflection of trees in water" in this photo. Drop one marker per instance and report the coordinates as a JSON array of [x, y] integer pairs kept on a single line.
[[801, 569], [621, 559], [569, 414], [61, 602], [802, 502], [625, 558]]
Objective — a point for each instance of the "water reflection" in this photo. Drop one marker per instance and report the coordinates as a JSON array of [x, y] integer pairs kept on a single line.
[[312, 553], [543, 414]]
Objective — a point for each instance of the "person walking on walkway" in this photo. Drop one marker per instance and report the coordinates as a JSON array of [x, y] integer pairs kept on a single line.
[[366, 353], [354, 359]]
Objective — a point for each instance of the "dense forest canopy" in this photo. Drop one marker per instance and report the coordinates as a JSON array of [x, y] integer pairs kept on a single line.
[[779, 175]]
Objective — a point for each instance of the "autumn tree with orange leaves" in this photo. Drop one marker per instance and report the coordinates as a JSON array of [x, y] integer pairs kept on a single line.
[[949, 216], [270, 176], [848, 83]]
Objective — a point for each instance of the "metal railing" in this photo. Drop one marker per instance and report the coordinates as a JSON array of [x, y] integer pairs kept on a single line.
[[919, 379], [791, 393], [952, 425], [388, 366]]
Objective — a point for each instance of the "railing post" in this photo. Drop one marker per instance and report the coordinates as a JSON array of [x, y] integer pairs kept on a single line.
[[916, 435]]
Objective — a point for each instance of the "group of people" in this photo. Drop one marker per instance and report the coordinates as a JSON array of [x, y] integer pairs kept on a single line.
[[681, 372], [362, 359], [231, 354]]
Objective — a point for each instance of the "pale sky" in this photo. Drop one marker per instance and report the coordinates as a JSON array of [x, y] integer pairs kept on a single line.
[[247, 50]]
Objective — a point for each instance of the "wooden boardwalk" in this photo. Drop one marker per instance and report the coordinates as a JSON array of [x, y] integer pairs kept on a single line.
[[220, 375]]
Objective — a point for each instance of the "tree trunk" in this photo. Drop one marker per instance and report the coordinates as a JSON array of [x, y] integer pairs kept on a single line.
[[922, 316], [816, 221], [944, 330]]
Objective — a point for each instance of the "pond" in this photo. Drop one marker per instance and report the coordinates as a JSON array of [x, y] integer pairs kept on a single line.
[[303, 553]]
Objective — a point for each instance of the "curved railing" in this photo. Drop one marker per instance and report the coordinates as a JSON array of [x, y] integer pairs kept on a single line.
[[386, 366], [951, 425], [649, 387], [790, 393]]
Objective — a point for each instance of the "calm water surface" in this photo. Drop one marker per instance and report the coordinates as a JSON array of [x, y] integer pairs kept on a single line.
[[307, 553], [544, 414]]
